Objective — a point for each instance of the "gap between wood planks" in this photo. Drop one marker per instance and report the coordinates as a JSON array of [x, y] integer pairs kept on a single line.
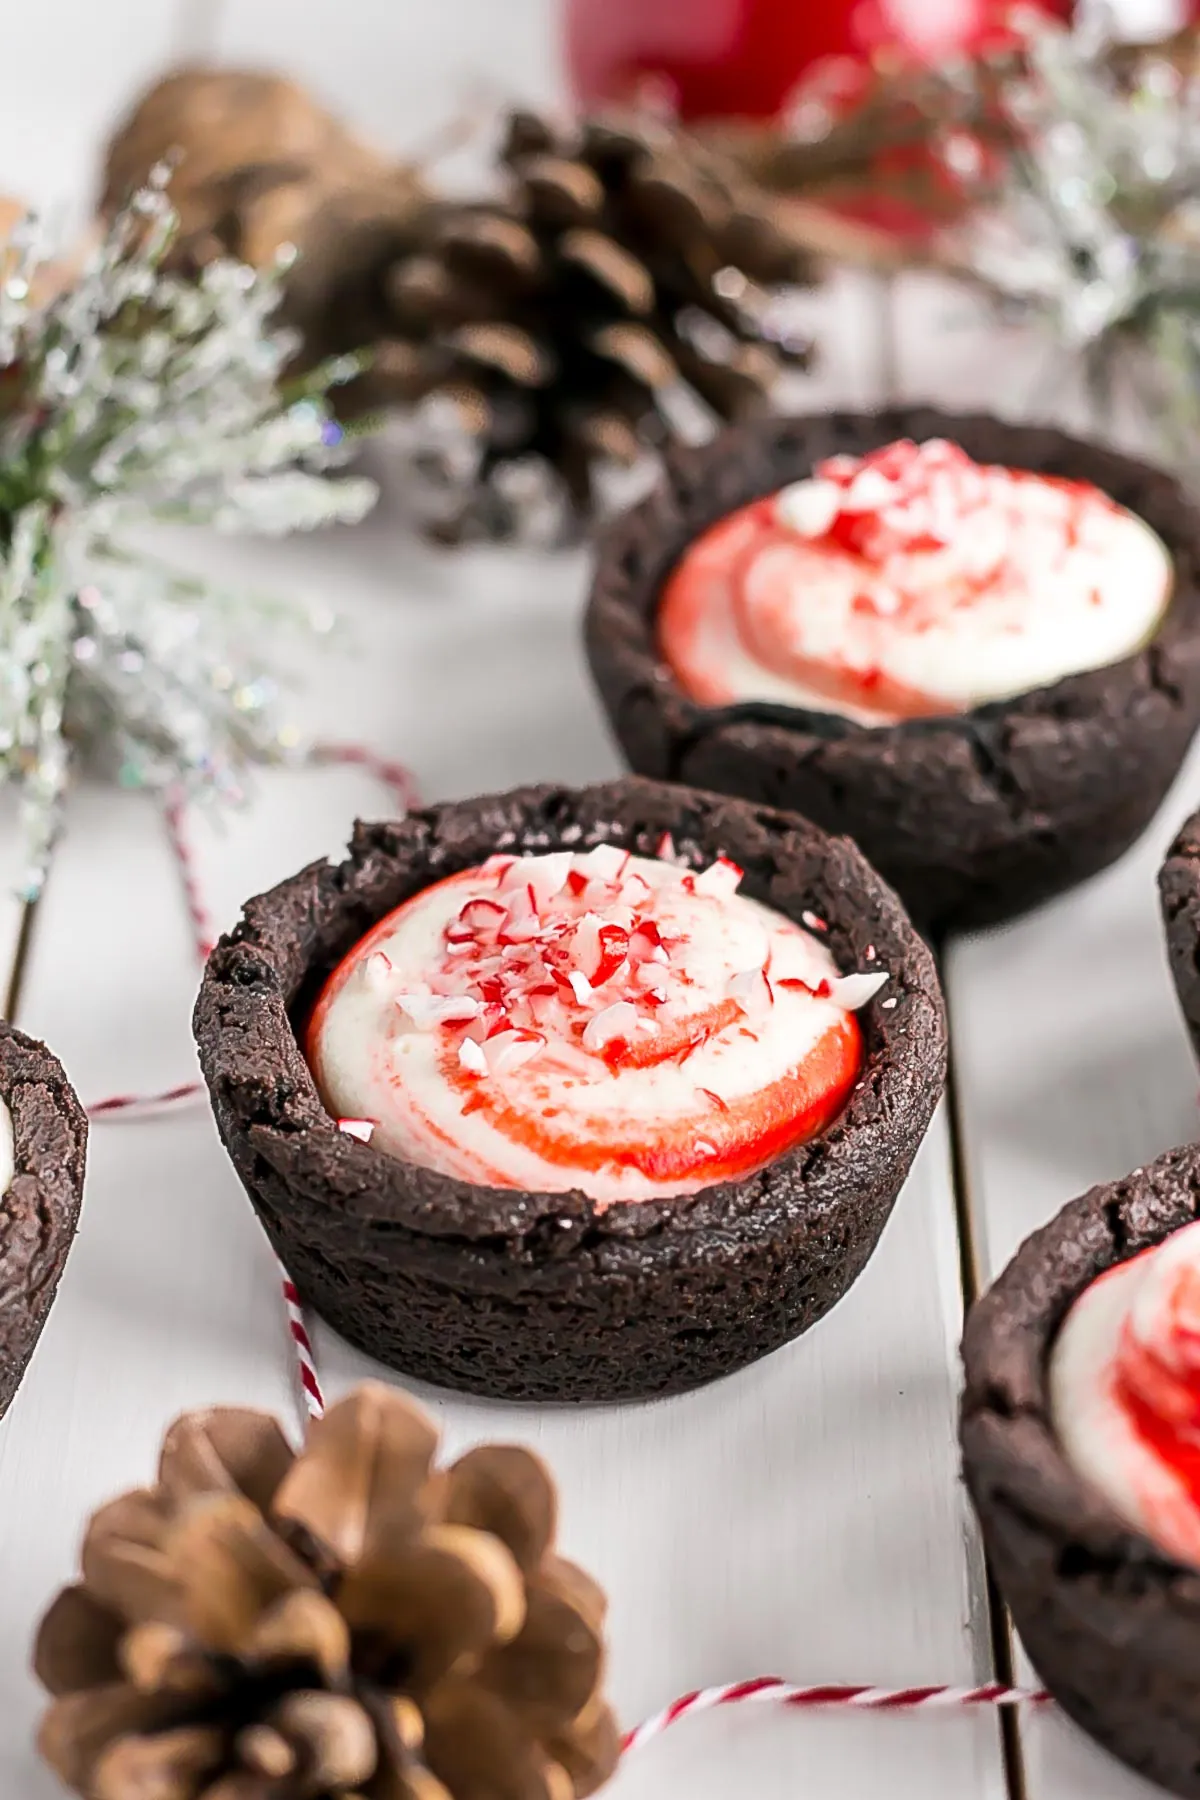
[[22, 953], [1000, 1630], [894, 390], [196, 30], [999, 1626]]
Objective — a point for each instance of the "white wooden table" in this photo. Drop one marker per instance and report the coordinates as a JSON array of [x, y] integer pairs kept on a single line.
[[803, 1518]]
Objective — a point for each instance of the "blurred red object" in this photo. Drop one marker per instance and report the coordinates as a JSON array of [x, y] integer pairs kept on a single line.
[[722, 59]]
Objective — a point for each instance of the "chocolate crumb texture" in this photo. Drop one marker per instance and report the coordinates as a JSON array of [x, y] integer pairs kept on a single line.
[[546, 1295], [1179, 896], [40, 1212], [1111, 1623]]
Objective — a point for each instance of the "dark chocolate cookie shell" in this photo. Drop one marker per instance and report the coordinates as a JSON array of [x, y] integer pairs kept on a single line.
[[545, 1296], [40, 1211], [1110, 1621], [974, 817], [1179, 892]]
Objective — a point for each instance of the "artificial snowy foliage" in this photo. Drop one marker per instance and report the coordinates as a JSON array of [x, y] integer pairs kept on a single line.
[[129, 398]]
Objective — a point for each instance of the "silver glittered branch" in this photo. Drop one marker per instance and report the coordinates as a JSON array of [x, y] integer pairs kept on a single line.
[[134, 397], [1094, 224]]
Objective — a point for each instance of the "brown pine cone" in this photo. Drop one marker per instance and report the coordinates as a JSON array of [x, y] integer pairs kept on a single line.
[[348, 1623], [616, 290], [613, 296]]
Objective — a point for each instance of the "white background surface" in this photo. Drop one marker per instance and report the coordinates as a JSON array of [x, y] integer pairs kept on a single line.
[[803, 1518]]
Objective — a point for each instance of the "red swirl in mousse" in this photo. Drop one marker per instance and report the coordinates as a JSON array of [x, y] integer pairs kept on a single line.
[[911, 582], [1125, 1391], [596, 1021]]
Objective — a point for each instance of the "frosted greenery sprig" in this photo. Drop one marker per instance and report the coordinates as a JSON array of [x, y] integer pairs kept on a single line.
[[1091, 219], [132, 398]]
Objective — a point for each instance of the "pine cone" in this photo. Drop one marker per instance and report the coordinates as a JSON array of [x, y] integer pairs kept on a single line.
[[624, 266], [610, 299], [254, 157], [344, 1624]]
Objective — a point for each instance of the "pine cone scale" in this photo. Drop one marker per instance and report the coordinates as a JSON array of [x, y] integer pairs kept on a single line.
[[480, 1751], [78, 1728], [173, 1765], [304, 1628], [503, 1490], [225, 1450], [452, 1594], [551, 1670], [362, 1476], [334, 1742], [124, 1563], [231, 1569], [77, 1643]]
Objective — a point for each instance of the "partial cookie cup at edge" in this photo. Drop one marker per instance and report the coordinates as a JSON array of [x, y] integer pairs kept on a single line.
[[1179, 897], [544, 1295], [39, 1214], [1111, 1622], [972, 817]]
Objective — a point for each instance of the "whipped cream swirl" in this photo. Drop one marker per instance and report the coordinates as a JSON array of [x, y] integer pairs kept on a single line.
[[911, 582], [1125, 1391], [600, 1021]]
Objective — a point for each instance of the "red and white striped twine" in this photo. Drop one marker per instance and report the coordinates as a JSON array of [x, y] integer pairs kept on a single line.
[[770, 1690], [393, 775], [765, 1690], [204, 934], [142, 1106], [399, 782], [306, 1360]]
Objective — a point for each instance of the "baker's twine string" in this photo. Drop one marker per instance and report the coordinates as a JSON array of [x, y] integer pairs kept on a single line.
[[399, 781], [302, 1348], [765, 1690], [770, 1690]]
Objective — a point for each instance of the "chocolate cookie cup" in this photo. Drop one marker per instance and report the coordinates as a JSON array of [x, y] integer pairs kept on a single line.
[[1111, 1622], [40, 1211], [1179, 893], [972, 817], [546, 1295]]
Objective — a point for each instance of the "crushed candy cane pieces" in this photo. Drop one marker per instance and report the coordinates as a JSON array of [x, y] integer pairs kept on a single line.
[[362, 1129], [720, 879], [904, 495], [576, 932], [853, 991]]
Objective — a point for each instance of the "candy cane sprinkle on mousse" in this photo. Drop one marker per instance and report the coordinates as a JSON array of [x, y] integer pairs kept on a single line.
[[601, 1021], [911, 582]]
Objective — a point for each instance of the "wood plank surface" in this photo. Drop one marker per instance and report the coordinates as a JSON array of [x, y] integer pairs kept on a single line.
[[68, 72], [400, 73], [1073, 1068], [1071, 1060], [803, 1517]]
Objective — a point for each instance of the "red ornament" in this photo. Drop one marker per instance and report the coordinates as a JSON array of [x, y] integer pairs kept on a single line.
[[710, 59]]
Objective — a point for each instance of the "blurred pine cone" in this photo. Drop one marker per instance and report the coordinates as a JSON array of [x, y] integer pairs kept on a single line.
[[344, 1624], [620, 278], [614, 294]]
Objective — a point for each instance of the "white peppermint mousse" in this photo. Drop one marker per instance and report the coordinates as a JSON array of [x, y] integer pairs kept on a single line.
[[1125, 1391], [908, 583], [599, 1021]]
